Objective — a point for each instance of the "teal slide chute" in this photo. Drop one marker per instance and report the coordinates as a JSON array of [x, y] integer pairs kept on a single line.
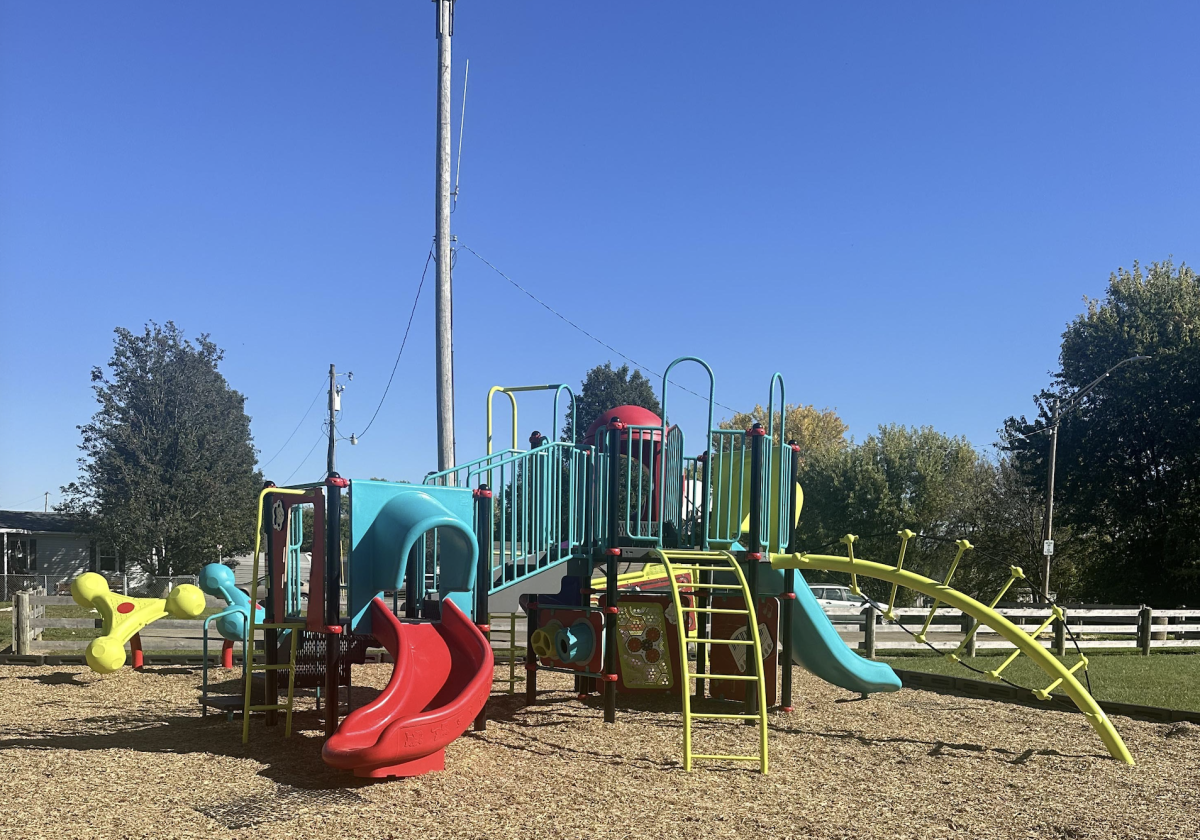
[[817, 647]]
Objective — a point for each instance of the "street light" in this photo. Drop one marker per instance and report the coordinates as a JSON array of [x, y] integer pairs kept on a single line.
[[1060, 408]]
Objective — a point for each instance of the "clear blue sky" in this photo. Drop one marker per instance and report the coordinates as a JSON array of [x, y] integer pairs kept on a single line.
[[898, 205]]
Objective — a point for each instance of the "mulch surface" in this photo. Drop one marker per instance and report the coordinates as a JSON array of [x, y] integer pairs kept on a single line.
[[128, 755]]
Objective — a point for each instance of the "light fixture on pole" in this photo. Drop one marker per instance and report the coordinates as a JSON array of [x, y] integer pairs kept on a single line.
[[1060, 408]]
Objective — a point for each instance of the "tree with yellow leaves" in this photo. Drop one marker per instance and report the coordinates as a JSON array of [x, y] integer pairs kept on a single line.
[[816, 430]]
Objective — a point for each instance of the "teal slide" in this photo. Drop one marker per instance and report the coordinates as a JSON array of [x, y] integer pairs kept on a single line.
[[817, 647]]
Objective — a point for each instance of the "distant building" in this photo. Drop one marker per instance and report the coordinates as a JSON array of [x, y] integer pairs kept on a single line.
[[50, 544]]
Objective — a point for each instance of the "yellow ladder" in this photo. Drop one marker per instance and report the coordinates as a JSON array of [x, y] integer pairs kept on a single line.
[[294, 627], [694, 563]]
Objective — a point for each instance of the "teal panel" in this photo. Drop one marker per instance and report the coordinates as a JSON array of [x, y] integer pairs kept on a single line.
[[386, 521]]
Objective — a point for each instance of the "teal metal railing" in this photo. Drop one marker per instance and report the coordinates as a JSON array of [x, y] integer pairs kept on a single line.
[[295, 540], [728, 458], [539, 513]]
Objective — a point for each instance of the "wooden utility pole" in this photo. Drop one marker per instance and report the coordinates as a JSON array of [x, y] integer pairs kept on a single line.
[[443, 305], [334, 404]]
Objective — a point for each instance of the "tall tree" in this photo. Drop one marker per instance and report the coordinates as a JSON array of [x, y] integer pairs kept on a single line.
[[607, 387], [1128, 466], [816, 430], [168, 467], [900, 477]]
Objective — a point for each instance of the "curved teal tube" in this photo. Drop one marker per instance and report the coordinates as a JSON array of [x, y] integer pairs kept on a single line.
[[397, 519]]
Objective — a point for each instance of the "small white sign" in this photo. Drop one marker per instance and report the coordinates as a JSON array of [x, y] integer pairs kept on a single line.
[[1048, 547]]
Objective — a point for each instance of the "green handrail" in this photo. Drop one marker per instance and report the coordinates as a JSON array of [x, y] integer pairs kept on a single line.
[[512, 391], [712, 390]]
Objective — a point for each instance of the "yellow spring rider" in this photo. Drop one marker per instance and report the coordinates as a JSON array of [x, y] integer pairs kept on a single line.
[[125, 617]]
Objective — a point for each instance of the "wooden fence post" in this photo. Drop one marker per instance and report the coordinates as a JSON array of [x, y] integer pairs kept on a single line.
[[967, 624], [869, 631], [1144, 619], [1060, 637], [1161, 621], [21, 625]]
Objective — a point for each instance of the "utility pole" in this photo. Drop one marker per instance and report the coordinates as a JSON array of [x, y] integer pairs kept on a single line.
[[46, 506], [443, 306], [1048, 523], [1061, 407], [335, 401]]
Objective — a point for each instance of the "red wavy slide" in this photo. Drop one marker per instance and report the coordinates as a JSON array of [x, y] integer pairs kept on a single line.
[[441, 681]]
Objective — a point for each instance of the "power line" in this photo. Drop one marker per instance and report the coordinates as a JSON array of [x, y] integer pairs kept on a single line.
[[25, 502], [320, 390], [602, 343], [403, 341], [306, 457]]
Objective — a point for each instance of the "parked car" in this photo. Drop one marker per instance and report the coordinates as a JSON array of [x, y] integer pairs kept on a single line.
[[840, 598]]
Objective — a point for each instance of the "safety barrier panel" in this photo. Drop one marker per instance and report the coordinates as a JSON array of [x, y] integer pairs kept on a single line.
[[538, 511]]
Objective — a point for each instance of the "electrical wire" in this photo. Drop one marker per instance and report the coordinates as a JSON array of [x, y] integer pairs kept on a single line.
[[298, 425], [575, 326], [25, 502], [306, 457], [403, 342]]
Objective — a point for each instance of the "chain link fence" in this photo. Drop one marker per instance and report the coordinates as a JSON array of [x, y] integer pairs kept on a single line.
[[134, 585]]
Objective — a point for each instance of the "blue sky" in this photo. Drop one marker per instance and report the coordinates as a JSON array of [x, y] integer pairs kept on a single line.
[[899, 206]]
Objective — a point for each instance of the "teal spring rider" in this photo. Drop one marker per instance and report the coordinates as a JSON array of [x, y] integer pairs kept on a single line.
[[233, 622]]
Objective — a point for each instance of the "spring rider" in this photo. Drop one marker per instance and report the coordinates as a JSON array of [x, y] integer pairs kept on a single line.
[[124, 617]]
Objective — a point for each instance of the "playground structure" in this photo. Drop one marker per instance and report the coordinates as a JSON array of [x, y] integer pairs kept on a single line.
[[710, 565]]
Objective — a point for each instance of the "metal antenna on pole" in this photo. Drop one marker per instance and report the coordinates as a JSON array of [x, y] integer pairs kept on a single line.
[[443, 302], [462, 121]]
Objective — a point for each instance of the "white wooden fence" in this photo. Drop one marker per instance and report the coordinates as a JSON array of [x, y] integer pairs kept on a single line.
[[29, 620], [1093, 626]]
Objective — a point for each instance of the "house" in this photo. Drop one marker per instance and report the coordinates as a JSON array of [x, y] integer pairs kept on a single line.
[[49, 544]]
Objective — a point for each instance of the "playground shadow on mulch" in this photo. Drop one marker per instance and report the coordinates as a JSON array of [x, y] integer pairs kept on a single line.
[[55, 679], [294, 762]]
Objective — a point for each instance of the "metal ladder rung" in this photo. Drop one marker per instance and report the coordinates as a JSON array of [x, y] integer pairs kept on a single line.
[[728, 757], [748, 642], [724, 717], [271, 707], [280, 667], [284, 626], [692, 562], [740, 677]]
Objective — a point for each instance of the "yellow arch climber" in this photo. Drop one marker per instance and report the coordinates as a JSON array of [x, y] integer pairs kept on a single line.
[[982, 613], [124, 617]]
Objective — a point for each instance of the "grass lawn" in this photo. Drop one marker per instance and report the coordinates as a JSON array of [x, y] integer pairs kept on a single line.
[[1168, 680]]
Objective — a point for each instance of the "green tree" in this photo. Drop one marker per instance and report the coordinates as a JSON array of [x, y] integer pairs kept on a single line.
[[168, 473], [606, 387], [1128, 466], [900, 477], [816, 430]]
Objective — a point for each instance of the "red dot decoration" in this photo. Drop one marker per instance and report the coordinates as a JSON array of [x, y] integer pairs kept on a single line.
[[125, 607]]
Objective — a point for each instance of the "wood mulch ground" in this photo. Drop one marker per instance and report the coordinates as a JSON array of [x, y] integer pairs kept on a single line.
[[128, 755]]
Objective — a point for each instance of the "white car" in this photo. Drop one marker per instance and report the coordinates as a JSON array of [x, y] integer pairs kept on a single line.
[[839, 598]]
